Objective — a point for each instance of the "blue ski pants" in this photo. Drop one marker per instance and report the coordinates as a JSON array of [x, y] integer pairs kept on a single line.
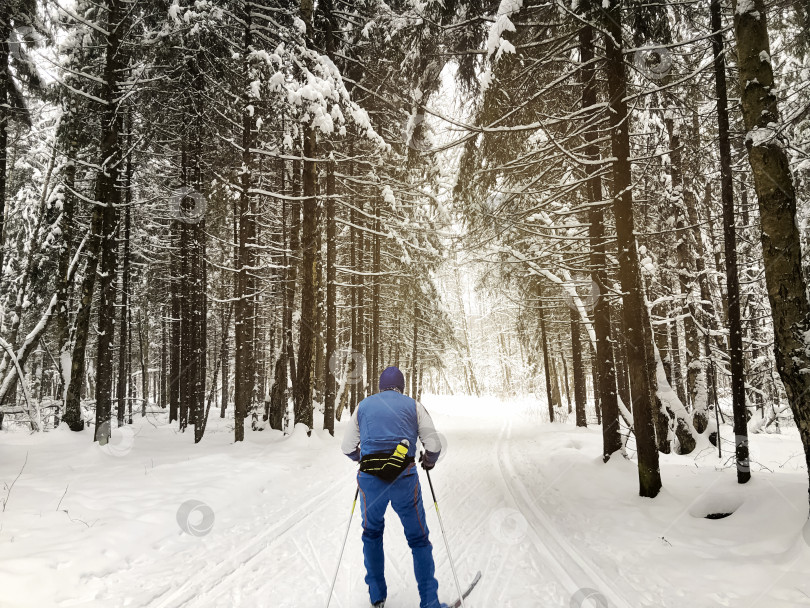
[[405, 496]]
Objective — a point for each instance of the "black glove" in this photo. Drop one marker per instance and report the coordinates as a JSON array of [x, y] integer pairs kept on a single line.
[[427, 462]]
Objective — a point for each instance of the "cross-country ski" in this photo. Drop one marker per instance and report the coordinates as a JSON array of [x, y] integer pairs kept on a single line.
[[467, 591]]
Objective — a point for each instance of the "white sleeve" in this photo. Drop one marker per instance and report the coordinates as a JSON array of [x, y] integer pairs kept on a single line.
[[352, 437], [427, 431]]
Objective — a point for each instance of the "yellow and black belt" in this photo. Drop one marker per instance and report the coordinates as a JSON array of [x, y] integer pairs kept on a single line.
[[386, 465]]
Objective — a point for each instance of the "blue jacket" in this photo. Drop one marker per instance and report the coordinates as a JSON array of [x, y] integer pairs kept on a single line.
[[384, 419]]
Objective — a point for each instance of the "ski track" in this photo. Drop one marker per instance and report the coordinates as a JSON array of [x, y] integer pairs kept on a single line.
[[290, 563], [211, 577], [572, 566]]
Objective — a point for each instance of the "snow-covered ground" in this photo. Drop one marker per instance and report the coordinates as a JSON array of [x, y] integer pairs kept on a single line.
[[528, 503]]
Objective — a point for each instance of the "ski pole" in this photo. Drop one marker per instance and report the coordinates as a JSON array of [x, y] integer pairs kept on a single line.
[[444, 536], [342, 547]]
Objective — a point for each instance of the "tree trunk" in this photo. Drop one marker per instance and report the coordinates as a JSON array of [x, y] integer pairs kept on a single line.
[[106, 313], [71, 126], [675, 353], [198, 317], [604, 367], [102, 223], [225, 357], [690, 256], [278, 395], [186, 306], [565, 382], [415, 352], [469, 372], [643, 393], [198, 320], [661, 417], [295, 260], [244, 321], [544, 339], [700, 374], [143, 338], [556, 387], [773, 182], [121, 388], [622, 379], [5, 121], [332, 362], [595, 385], [579, 372], [375, 297], [309, 284], [730, 233], [320, 311], [360, 374], [164, 359], [174, 324], [355, 392]]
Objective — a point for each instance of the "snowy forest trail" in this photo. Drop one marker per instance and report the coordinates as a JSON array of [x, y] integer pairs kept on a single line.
[[488, 530], [529, 504], [280, 560]]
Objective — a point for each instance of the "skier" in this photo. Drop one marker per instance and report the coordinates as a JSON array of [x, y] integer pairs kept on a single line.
[[382, 438]]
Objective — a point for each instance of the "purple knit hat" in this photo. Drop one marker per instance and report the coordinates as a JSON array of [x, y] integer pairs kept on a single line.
[[392, 378]]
